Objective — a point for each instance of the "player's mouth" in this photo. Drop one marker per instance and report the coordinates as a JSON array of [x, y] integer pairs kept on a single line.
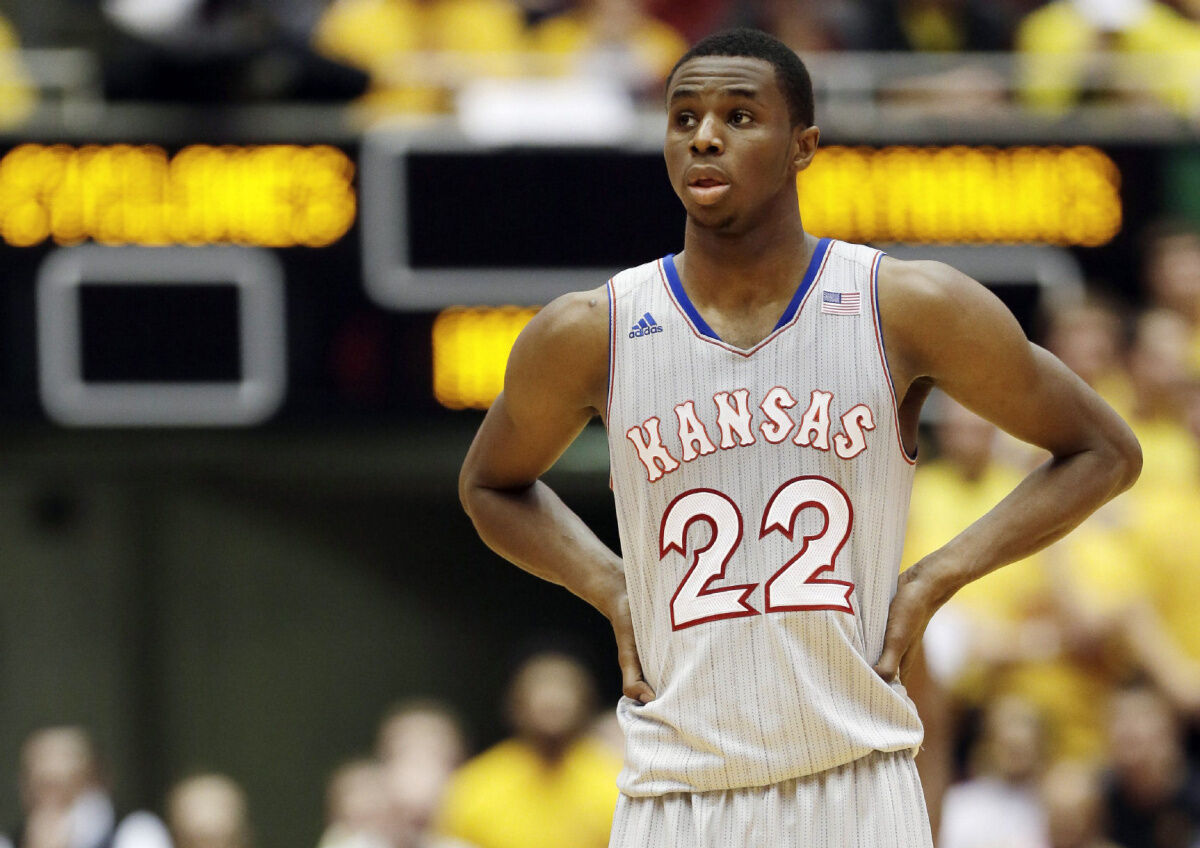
[[707, 188]]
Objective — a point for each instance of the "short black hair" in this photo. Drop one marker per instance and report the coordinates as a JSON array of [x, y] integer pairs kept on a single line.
[[790, 73]]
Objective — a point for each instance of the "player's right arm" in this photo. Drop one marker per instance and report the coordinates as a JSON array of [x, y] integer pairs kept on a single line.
[[556, 381]]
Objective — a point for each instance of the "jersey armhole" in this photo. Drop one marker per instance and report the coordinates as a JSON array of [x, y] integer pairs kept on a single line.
[[612, 359], [612, 349], [911, 459]]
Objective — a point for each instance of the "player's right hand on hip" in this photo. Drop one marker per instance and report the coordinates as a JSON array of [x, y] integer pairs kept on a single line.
[[633, 684]]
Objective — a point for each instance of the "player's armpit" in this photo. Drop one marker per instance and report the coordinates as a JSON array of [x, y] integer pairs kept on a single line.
[[942, 325]]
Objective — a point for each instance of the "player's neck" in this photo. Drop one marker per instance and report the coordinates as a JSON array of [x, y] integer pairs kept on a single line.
[[763, 262]]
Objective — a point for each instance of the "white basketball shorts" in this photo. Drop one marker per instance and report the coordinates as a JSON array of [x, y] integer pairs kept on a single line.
[[873, 802]]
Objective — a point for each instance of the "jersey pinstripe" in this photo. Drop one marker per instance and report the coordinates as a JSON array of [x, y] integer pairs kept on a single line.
[[761, 496]]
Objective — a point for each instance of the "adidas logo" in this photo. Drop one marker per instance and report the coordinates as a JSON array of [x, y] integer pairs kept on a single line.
[[644, 327]]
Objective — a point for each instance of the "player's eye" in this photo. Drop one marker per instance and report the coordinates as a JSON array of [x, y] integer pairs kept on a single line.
[[740, 117], [685, 119]]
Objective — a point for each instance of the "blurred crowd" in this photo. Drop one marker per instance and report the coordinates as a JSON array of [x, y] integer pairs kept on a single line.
[[415, 56], [1074, 676], [551, 784]]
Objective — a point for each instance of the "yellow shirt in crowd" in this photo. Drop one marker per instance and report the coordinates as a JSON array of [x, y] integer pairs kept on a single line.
[[1170, 457], [653, 45], [507, 797], [1056, 43], [944, 503], [1166, 544], [16, 91], [393, 40]]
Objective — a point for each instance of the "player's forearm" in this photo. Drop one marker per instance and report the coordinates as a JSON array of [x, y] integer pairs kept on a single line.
[[533, 529], [1048, 504]]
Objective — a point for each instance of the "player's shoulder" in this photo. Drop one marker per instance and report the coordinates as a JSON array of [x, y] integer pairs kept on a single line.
[[571, 326], [920, 295], [928, 311], [563, 350], [923, 281], [582, 318], [631, 279], [574, 312]]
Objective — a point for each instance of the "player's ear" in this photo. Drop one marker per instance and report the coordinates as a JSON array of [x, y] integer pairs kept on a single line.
[[805, 146]]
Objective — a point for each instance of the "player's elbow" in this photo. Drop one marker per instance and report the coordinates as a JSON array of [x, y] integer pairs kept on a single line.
[[468, 490], [1123, 459], [1131, 458]]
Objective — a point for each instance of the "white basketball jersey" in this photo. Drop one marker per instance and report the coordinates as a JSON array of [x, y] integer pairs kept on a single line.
[[762, 497]]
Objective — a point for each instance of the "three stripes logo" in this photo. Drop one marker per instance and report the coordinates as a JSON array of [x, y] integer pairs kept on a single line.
[[645, 326]]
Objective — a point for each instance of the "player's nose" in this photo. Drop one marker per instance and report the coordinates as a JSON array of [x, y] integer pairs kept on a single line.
[[707, 137]]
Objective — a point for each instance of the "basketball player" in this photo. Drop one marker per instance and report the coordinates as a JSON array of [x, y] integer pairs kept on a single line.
[[761, 392]]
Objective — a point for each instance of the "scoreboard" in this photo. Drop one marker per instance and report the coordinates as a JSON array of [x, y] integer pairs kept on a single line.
[[525, 225], [177, 284]]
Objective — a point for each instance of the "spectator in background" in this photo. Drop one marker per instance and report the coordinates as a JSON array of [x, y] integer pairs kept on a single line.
[[612, 39], [219, 52], [930, 26], [1038, 629], [1061, 42], [208, 811], [418, 51], [1171, 260], [1153, 797], [1089, 338], [806, 27], [1126, 589], [936, 27], [694, 19], [1073, 800], [420, 745], [65, 800], [1191, 412], [1159, 370], [1164, 537], [982, 626], [17, 97], [550, 785], [356, 807], [999, 806]]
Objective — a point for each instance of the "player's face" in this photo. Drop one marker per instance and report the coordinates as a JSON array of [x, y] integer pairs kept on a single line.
[[731, 149]]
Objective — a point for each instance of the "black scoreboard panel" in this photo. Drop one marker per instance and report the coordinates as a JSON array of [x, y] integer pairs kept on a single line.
[[148, 333], [539, 209], [571, 214]]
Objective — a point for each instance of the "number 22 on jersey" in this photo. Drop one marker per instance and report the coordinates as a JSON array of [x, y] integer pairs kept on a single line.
[[797, 585]]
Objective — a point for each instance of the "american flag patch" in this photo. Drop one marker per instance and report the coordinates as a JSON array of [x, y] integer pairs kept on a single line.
[[841, 303]]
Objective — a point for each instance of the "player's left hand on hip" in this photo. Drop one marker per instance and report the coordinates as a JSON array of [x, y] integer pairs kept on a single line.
[[915, 602]]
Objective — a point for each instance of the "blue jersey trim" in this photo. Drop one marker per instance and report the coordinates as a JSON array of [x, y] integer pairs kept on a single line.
[[682, 299], [814, 265]]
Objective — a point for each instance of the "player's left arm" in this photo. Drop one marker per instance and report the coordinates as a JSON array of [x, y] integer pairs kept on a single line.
[[942, 328]]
